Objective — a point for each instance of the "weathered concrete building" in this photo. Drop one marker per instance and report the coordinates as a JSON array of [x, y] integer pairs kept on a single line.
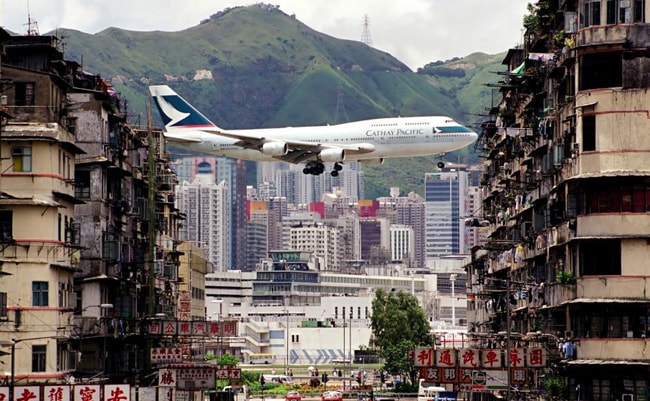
[[88, 245], [565, 188]]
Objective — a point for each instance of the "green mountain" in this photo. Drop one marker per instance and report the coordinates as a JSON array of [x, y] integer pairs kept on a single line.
[[255, 66]]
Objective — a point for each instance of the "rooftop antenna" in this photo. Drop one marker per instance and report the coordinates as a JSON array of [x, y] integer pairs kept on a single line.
[[32, 26], [365, 35]]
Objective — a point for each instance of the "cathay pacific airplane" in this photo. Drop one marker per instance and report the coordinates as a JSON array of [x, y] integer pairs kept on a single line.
[[368, 141]]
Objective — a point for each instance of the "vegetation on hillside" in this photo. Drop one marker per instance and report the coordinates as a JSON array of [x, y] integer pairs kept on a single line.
[[255, 66]]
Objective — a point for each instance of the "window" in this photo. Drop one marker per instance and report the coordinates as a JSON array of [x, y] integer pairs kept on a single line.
[[601, 70], [600, 257], [82, 184], [588, 133], [39, 293], [6, 225], [639, 11], [39, 352], [625, 11], [22, 158], [24, 93], [591, 14]]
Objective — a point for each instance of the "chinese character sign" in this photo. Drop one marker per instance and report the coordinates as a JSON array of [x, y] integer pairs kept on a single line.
[[155, 327], [230, 328], [469, 358], [56, 393], [199, 328], [184, 328], [27, 393], [169, 327], [86, 393], [446, 357], [424, 357], [536, 357], [430, 375], [491, 358], [214, 328], [167, 377], [516, 357], [117, 392], [166, 354]]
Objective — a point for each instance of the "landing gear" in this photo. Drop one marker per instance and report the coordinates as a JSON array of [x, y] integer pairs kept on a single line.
[[317, 168], [314, 168], [335, 171], [441, 165]]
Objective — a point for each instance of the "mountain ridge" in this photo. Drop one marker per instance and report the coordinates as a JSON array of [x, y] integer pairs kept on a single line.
[[255, 66]]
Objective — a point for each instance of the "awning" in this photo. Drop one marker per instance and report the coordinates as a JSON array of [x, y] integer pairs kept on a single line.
[[519, 70], [608, 301], [29, 202], [604, 362]]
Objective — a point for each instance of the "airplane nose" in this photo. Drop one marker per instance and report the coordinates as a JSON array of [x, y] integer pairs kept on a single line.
[[473, 136]]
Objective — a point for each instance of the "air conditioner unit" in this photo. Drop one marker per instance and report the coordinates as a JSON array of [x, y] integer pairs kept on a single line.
[[628, 397], [17, 151]]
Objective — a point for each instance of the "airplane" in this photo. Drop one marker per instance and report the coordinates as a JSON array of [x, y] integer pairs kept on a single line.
[[367, 141]]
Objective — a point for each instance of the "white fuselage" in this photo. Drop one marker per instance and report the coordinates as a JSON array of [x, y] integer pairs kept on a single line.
[[389, 137]]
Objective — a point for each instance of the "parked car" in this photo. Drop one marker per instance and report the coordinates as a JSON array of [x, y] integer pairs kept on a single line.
[[332, 396], [293, 396]]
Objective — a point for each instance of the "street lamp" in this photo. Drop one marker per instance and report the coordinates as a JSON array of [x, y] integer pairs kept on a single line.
[[100, 306], [219, 314], [452, 278]]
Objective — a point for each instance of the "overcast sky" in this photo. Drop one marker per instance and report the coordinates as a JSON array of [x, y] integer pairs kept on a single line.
[[414, 31]]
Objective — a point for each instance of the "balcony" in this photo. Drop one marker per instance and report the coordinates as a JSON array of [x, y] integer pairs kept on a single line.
[[632, 36]]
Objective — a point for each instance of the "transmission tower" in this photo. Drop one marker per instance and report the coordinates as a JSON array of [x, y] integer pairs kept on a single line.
[[32, 26], [340, 107], [365, 35]]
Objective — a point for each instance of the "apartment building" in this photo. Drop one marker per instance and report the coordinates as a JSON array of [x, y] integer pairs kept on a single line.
[[565, 188], [39, 235], [89, 229]]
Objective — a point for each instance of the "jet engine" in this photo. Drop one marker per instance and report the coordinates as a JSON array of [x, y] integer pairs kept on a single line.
[[275, 148], [332, 155]]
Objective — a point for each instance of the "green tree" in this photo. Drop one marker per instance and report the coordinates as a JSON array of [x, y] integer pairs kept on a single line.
[[224, 360], [398, 326]]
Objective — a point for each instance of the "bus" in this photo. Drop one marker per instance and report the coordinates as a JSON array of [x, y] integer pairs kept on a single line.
[[260, 359]]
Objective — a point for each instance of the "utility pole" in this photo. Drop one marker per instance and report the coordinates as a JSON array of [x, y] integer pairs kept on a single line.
[[151, 235], [508, 338]]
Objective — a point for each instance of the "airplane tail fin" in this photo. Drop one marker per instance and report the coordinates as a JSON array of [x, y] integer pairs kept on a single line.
[[176, 112]]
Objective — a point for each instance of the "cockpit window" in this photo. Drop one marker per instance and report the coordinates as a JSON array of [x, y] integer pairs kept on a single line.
[[453, 128]]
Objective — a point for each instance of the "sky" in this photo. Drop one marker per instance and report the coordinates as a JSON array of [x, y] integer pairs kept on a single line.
[[416, 32]]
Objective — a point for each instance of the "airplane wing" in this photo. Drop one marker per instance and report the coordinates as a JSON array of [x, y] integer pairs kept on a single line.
[[298, 150], [184, 138]]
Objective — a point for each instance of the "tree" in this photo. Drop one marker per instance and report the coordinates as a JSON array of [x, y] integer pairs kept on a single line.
[[224, 360], [398, 326]]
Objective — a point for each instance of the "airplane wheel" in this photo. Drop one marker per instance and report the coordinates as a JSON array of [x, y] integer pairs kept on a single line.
[[306, 170], [441, 165], [334, 173], [338, 167]]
